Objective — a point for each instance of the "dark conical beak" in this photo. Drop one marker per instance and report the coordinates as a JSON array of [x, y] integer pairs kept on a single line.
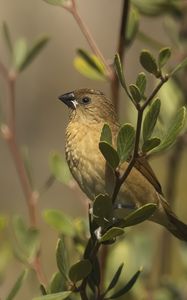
[[69, 99]]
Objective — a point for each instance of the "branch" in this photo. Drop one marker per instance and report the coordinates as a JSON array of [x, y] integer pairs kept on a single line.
[[88, 36], [140, 108], [110, 73], [115, 86], [9, 134]]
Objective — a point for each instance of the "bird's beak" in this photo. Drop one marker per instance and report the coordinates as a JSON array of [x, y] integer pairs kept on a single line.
[[69, 99]]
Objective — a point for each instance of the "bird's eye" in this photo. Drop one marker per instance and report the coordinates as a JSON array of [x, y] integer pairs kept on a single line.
[[85, 100]]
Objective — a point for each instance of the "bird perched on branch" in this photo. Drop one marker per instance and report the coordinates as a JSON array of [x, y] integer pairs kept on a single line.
[[89, 111]]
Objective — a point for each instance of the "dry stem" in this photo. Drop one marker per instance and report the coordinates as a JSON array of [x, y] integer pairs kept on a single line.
[[9, 134]]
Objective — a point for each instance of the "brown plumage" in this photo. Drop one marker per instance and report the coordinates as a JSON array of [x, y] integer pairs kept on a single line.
[[89, 111]]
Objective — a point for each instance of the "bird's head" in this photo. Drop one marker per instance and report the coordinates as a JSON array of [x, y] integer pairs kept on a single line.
[[89, 105]]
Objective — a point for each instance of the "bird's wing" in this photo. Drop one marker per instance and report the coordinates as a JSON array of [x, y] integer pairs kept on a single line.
[[144, 167]]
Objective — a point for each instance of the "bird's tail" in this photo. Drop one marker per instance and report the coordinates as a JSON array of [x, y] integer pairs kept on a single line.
[[175, 226]]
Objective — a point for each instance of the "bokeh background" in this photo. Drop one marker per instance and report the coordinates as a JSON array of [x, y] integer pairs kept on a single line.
[[41, 121]]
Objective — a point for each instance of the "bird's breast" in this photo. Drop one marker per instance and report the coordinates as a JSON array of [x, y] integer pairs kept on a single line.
[[92, 173], [85, 161]]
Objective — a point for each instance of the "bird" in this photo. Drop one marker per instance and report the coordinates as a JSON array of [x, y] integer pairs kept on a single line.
[[89, 110]]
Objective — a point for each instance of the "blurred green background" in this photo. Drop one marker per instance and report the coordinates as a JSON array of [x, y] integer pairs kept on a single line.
[[41, 121]]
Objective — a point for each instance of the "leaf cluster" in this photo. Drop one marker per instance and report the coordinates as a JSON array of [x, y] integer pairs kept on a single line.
[[22, 55]]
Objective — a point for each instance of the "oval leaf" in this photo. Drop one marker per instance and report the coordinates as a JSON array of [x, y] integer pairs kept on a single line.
[[7, 37], [148, 62], [33, 52], [80, 270], [59, 168], [125, 141], [110, 154], [61, 258], [180, 66], [150, 144], [27, 238], [57, 283], [56, 296], [127, 287], [89, 65], [19, 53], [103, 209], [151, 119], [115, 279], [151, 8], [119, 71], [111, 234], [59, 221], [139, 215], [135, 93], [106, 134], [132, 25], [164, 56], [17, 285], [174, 130], [141, 82]]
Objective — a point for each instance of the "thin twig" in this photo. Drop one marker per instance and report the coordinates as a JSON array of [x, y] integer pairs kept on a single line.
[[140, 108], [9, 134], [174, 164], [11, 111], [88, 36], [115, 86]]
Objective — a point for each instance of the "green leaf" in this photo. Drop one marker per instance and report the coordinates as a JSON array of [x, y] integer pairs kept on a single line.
[[151, 119], [150, 144], [103, 209], [28, 164], [59, 221], [173, 131], [119, 71], [89, 65], [56, 296], [59, 168], [80, 270], [132, 25], [43, 289], [3, 222], [180, 66], [110, 154], [115, 279], [125, 141], [111, 234], [19, 53], [106, 134], [56, 2], [172, 97], [148, 62], [18, 284], [149, 8], [61, 258], [164, 56], [57, 283], [135, 93], [141, 82], [157, 7], [7, 37], [127, 287], [33, 52], [27, 238], [139, 215]]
